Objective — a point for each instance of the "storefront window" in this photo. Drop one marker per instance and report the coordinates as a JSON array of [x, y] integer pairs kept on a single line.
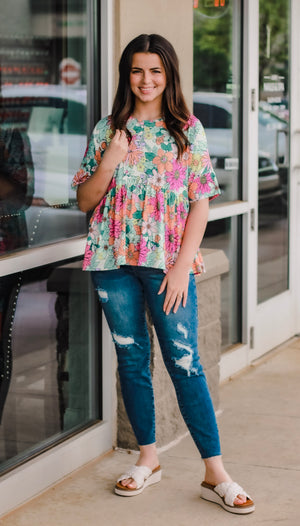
[[49, 358], [43, 124], [47, 363]]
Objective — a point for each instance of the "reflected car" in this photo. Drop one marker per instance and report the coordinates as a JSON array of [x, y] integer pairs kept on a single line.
[[215, 111], [53, 117]]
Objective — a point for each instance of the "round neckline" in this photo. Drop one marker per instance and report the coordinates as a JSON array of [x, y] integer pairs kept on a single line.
[[141, 121]]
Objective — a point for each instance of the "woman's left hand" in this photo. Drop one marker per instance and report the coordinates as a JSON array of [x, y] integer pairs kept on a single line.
[[176, 284]]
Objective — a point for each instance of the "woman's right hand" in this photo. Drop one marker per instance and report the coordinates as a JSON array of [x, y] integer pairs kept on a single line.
[[90, 193], [117, 150]]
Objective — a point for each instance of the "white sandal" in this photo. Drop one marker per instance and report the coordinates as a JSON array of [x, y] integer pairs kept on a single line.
[[225, 495], [143, 477]]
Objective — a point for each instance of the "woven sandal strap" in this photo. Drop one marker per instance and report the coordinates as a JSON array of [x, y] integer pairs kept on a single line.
[[229, 491], [137, 473]]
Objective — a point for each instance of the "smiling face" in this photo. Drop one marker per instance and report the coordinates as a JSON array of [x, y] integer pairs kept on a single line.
[[148, 79]]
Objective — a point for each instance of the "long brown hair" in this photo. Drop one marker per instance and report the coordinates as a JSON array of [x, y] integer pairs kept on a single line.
[[174, 108]]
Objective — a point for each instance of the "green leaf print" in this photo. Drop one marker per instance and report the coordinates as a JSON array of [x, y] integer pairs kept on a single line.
[[150, 156], [137, 214], [171, 199], [166, 147]]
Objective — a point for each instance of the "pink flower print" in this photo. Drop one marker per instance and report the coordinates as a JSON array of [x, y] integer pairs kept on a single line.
[[205, 181], [191, 122], [143, 251], [87, 257], [199, 184], [172, 240], [181, 216], [156, 208], [115, 228], [98, 213], [121, 198], [176, 177]]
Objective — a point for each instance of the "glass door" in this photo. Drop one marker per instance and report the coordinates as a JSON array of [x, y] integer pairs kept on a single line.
[[273, 145], [274, 319]]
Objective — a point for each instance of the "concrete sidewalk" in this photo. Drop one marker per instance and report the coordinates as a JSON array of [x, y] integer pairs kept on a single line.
[[260, 434]]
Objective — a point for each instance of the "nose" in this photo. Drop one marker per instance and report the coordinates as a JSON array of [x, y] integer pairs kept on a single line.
[[147, 77]]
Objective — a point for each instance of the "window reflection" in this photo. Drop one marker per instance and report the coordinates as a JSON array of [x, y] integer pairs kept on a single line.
[[45, 360], [16, 188], [43, 106], [273, 122], [217, 103], [217, 37]]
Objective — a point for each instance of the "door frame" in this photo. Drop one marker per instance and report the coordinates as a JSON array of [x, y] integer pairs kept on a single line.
[[274, 321], [295, 157], [269, 324]]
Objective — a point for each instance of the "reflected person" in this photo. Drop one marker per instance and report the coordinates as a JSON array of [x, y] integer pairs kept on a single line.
[[16, 191]]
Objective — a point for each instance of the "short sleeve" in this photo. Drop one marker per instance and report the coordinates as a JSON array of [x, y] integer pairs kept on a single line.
[[202, 181], [99, 139]]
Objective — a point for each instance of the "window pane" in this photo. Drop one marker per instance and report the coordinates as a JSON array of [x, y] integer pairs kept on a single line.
[[46, 361], [273, 125], [217, 103], [217, 48], [225, 234], [43, 124]]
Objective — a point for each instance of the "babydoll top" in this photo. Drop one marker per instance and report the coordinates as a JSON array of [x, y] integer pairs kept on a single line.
[[141, 218]]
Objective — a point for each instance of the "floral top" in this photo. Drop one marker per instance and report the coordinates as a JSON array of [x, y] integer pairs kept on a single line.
[[141, 218]]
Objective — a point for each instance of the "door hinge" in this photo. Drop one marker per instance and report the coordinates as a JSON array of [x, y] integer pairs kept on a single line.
[[253, 99], [252, 219], [251, 337]]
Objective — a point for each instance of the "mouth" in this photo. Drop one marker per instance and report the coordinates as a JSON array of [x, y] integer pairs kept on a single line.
[[147, 90]]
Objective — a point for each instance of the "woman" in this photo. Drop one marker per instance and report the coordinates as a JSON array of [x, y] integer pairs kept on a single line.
[[148, 177]]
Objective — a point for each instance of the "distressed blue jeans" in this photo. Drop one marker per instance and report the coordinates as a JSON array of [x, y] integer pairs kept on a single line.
[[123, 294]]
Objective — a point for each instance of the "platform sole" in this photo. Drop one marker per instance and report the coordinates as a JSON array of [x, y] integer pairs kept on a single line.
[[212, 496], [127, 492]]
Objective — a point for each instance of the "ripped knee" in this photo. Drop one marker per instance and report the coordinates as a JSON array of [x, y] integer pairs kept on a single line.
[[185, 359], [122, 340]]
